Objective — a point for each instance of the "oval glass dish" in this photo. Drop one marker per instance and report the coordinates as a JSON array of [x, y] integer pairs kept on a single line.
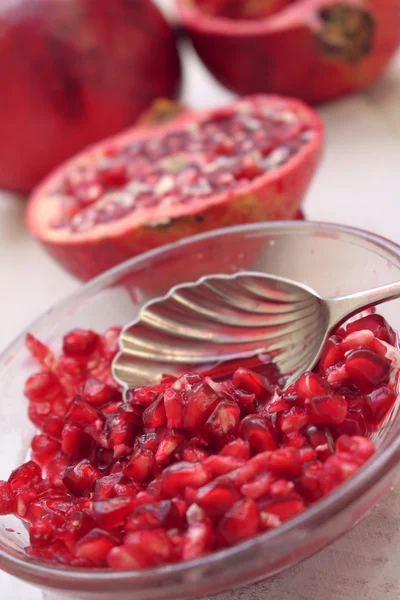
[[330, 258]]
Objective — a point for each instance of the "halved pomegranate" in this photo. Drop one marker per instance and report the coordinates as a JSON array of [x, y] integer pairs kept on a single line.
[[246, 162], [73, 72], [316, 50]]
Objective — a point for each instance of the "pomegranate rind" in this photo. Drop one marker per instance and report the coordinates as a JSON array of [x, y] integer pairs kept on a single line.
[[275, 195], [292, 52]]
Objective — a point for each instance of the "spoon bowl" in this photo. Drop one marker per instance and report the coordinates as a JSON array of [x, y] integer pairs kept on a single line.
[[227, 317]]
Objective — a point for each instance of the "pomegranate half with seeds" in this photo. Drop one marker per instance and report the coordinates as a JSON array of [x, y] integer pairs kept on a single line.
[[316, 50], [74, 72], [188, 466], [180, 174]]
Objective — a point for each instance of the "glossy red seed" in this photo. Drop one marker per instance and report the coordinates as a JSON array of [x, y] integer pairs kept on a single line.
[[7, 498], [253, 383], [310, 384], [44, 448], [81, 412], [98, 393], [140, 465], [224, 420], [258, 487], [241, 521], [284, 508], [79, 342], [367, 369], [375, 323], [26, 476], [154, 415], [122, 558], [79, 478], [154, 545], [328, 410], [258, 433], [331, 355], [183, 474], [112, 512], [216, 497], [220, 465], [167, 446], [42, 387], [95, 545], [237, 448], [379, 402], [174, 408], [198, 540], [199, 407], [293, 420], [358, 448], [334, 471]]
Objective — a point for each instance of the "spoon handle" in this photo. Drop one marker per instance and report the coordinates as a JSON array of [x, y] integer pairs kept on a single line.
[[343, 307]]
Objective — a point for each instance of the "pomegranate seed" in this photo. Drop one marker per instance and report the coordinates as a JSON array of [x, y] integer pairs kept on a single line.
[[241, 521], [335, 470], [379, 402], [122, 558], [237, 448], [42, 387], [376, 324], [167, 446], [284, 509], [258, 434], [194, 454], [199, 407], [96, 545], [97, 393], [220, 465], [105, 486], [144, 397], [184, 474], [252, 382], [224, 420], [154, 545], [359, 339], [112, 512], [367, 369], [293, 420], [45, 530], [281, 488], [79, 478], [331, 355], [26, 476], [198, 540], [77, 525], [79, 342], [310, 385], [358, 448], [81, 412], [294, 439], [285, 461], [154, 515], [329, 410], [258, 487], [269, 521], [44, 449], [7, 499], [174, 408], [154, 415], [216, 497], [140, 465], [75, 442]]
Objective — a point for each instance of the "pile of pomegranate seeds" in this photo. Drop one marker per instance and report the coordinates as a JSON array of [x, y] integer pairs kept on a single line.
[[190, 465], [199, 160]]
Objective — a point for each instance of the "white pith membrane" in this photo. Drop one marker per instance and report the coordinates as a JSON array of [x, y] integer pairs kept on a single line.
[[151, 176]]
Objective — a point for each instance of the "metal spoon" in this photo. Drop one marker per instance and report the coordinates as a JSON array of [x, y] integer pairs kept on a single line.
[[224, 317]]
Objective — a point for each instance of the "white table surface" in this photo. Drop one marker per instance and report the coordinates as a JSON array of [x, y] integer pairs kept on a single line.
[[358, 184]]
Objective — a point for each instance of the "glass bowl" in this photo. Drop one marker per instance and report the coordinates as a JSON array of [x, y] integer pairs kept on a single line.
[[330, 258]]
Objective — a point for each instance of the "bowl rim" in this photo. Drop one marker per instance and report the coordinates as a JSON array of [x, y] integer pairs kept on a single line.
[[377, 468]]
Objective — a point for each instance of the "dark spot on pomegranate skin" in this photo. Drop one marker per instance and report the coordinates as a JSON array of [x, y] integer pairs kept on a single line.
[[65, 89], [347, 33]]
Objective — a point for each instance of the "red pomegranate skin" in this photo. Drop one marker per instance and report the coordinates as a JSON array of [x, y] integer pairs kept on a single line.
[[315, 50], [275, 195], [74, 72]]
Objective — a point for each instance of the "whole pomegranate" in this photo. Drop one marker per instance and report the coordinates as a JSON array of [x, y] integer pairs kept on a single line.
[[73, 72], [316, 50], [182, 174]]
